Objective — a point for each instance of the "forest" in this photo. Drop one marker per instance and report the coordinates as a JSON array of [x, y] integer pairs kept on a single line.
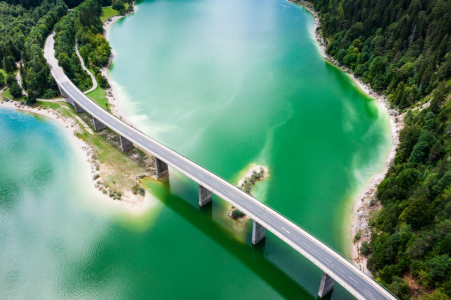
[[84, 27], [402, 50], [22, 36]]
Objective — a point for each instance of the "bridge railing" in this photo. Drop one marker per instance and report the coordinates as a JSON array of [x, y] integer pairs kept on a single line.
[[321, 241]]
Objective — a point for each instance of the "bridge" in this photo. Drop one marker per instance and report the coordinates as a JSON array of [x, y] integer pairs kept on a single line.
[[335, 267]]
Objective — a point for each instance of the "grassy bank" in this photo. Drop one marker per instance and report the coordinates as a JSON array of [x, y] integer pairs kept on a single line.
[[118, 170], [108, 12]]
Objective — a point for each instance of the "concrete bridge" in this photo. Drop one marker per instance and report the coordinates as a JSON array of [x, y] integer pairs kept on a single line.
[[335, 267]]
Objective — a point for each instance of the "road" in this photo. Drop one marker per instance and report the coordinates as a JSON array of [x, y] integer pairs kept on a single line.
[[341, 270]]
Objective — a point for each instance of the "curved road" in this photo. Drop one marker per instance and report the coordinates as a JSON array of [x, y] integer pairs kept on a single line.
[[342, 271]]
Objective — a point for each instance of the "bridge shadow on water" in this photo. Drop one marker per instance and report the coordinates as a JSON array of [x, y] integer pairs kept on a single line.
[[251, 256]]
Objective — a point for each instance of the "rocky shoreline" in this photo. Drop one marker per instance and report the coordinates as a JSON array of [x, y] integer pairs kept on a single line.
[[362, 205]]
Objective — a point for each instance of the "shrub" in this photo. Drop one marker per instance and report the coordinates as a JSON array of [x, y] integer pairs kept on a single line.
[[95, 176], [103, 82], [357, 236], [142, 191], [135, 189], [365, 248], [15, 90], [236, 213]]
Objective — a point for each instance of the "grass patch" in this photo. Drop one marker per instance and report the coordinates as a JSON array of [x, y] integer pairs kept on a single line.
[[108, 12], [120, 169], [98, 96], [4, 73], [7, 94]]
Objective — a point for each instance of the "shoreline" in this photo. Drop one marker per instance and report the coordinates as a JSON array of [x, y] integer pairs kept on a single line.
[[111, 93], [70, 125], [361, 209]]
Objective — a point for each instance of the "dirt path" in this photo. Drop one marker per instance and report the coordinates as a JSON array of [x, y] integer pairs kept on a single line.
[[94, 81]]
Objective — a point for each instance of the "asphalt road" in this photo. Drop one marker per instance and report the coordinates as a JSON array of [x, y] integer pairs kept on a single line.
[[342, 271]]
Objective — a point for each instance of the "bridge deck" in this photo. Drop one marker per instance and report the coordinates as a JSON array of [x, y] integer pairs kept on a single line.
[[342, 271]]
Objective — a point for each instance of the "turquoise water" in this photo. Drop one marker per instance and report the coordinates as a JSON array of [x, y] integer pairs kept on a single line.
[[227, 84]]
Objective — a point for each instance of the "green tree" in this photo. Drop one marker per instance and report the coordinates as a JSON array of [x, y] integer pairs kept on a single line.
[[15, 90]]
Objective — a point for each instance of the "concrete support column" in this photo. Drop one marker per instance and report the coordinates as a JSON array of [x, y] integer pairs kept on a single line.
[[78, 108], [161, 166], [99, 125], [326, 285], [62, 92], [204, 196], [125, 144], [258, 233]]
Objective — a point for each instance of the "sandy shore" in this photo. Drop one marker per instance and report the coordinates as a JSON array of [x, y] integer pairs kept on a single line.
[[70, 126], [112, 93], [362, 207]]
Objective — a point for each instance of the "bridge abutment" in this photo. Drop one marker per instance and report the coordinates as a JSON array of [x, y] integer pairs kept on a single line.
[[258, 233], [326, 285], [98, 125], [125, 144], [204, 196], [161, 166]]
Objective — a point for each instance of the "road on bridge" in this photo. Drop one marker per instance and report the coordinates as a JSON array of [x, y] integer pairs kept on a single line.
[[341, 270]]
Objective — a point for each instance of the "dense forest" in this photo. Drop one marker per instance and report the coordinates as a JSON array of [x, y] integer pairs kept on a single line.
[[22, 35], [83, 25], [402, 49]]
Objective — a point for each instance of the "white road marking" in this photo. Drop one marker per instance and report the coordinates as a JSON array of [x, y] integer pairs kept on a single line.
[[368, 291], [201, 176], [286, 230], [188, 167], [232, 195], [328, 260], [352, 279], [341, 270], [306, 245], [248, 205], [316, 252], [215, 184]]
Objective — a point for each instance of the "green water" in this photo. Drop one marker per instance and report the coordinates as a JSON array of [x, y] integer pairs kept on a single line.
[[227, 84]]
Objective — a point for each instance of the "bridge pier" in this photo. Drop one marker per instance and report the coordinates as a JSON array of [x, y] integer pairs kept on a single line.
[[125, 144], [258, 233], [161, 166], [98, 125], [204, 196], [62, 92], [78, 108], [326, 285]]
